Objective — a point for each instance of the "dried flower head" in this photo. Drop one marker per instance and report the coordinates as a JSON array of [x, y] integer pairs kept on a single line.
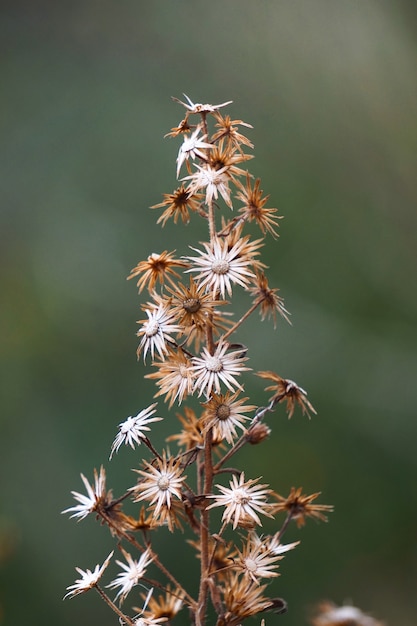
[[228, 129], [195, 310], [268, 299], [300, 506], [225, 263], [256, 561], [157, 267], [88, 580], [174, 376], [132, 431], [161, 481], [214, 181], [257, 433], [211, 370], [183, 127], [328, 614], [178, 204], [225, 413], [97, 497], [192, 147], [243, 501], [288, 391], [243, 598], [200, 108], [156, 331], [133, 571], [225, 156], [254, 208]]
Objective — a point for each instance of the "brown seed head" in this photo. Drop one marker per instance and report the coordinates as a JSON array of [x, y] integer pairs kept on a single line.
[[300, 506], [178, 204], [287, 391], [157, 267], [258, 433]]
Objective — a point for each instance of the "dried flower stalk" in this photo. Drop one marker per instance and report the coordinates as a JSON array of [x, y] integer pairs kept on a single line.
[[194, 350]]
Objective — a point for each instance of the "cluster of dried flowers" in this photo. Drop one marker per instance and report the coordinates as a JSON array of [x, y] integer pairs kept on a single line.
[[187, 334]]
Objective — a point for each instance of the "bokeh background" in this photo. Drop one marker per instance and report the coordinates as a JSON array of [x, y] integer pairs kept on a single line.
[[330, 88]]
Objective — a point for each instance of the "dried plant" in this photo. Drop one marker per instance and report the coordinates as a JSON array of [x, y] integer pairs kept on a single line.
[[328, 614], [187, 335]]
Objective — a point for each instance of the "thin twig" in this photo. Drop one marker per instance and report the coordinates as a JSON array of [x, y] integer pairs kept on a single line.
[[242, 319], [114, 608]]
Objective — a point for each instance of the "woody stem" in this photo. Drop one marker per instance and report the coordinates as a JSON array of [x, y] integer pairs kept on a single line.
[[204, 530], [122, 616], [243, 318]]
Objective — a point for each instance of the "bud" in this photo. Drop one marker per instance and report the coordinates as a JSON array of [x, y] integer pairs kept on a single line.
[[257, 433]]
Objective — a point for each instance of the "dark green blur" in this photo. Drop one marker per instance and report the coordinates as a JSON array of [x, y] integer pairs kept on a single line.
[[330, 88]]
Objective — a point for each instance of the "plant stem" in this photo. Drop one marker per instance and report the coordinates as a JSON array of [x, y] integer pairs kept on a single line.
[[114, 608], [204, 529], [242, 319], [155, 559], [285, 525]]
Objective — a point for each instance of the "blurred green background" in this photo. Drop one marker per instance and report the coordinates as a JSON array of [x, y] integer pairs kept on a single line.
[[330, 88]]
